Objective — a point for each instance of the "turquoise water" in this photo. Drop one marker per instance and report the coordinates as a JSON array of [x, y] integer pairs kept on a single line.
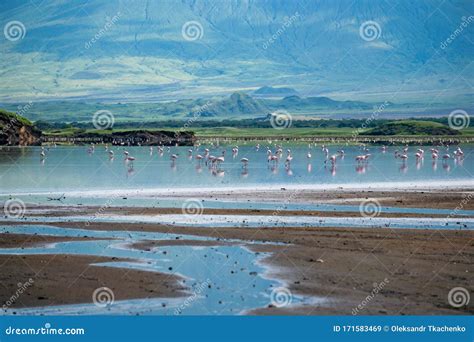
[[146, 202], [222, 280], [231, 279], [74, 168]]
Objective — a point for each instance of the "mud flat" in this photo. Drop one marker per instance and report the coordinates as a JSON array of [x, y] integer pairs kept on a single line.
[[68, 279], [413, 270]]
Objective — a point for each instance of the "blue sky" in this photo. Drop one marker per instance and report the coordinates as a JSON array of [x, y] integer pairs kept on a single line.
[[398, 51]]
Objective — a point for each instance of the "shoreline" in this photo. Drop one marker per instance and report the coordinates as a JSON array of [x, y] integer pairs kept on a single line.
[[63, 279], [96, 212], [336, 266], [332, 268], [396, 187]]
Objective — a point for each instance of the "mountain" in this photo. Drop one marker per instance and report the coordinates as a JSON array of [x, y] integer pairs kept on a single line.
[[269, 92], [16, 130], [149, 51], [237, 105], [296, 103]]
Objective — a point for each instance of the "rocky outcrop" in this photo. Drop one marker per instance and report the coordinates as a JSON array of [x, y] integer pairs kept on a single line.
[[15, 130], [128, 138]]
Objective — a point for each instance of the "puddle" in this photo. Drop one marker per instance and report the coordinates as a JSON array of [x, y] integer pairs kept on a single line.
[[223, 280]]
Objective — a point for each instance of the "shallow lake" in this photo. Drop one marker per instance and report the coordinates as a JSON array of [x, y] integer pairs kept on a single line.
[[75, 168]]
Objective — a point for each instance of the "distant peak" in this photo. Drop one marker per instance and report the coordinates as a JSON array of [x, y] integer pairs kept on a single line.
[[292, 97], [275, 91], [238, 95]]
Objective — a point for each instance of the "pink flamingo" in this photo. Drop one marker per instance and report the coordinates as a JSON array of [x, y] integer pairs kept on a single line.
[[219, 160]]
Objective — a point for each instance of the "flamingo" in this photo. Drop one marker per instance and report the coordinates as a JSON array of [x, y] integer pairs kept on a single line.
[[361, 158], [308, 155], [219, 160], [459, 152], [273, 158], [244, 162], [210, 159]]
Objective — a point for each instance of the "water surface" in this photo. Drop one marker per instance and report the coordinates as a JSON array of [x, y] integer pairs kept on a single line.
[[73, 168]]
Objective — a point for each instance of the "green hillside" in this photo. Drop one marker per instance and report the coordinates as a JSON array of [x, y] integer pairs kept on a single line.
[[412, 127]]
